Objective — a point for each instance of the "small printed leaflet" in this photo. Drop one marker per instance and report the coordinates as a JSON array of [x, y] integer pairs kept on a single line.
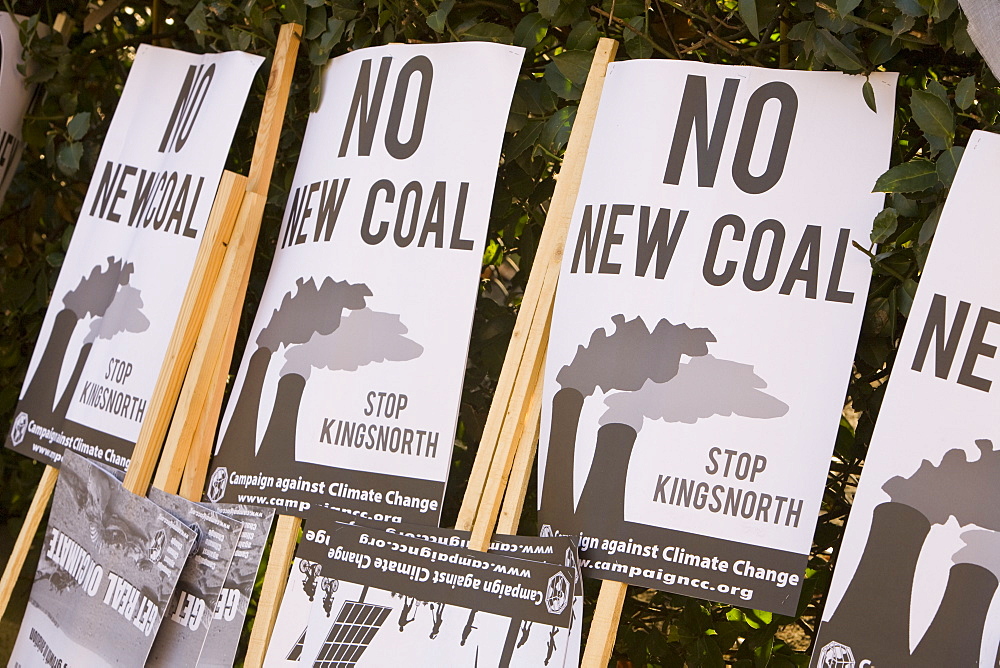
[[191, 612], [231, 610], [110, 562], [917, 574], [688, 414], [349, 389], [372, 594], [123, 280]]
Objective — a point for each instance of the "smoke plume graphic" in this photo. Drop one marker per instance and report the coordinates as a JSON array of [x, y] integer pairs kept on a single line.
[[631, 355], [123, 314], [364, 337], [703, 387], [646, 367], [953, 488], [94, 294], [311, 310]]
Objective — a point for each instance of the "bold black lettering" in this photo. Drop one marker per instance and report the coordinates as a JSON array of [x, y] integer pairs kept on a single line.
[[369, 237], [105, 188], [612, 239], [329, 208], [708, 270], [694, 114], [833, 291], [934, 327], [457, 242], [809, 273], [661, 240], [589, 238], [364, 110], [771, 269], [403, 239], [396, 148], [978, 348], [785, 95]]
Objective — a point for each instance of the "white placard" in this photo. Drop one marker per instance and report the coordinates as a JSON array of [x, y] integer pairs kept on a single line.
[[15, 97], [349, 389], [915, 582], [120, 288], [705, 323]]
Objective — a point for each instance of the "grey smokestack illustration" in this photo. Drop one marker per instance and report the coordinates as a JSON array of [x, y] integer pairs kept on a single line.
[[885, 571], [623, 360], [364, 337], [955, 635], [302, 313], [91, 297]]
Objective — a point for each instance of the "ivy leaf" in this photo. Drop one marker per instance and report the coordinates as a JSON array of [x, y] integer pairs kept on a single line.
[[196, 19], [947, 164], [530, 30], [567, 73], [884, 225], [845, 7], [520, 141], [965, 92], [583, 37], [837, 52], [78, 126], [487, 32], [436, 20], [68, 158], [934, 117], [548, 8], [908, 177], [869, 94]]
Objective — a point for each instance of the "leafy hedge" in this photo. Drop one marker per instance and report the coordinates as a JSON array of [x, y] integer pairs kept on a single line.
[[945, 92]]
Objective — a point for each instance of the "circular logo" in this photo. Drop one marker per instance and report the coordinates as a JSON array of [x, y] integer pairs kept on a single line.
[[217, 485], [836, 655], [19, 429], [557, 593]]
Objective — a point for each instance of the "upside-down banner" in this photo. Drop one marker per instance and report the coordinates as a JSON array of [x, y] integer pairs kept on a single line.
[[349, 389], [916, 578], [120, 288], [705, 324]]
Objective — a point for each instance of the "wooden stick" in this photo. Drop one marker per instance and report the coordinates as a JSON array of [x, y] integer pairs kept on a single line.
[[286, 535], [604, 627], [27, 534], [538, 295], [275, 101], [520, 475], [227, 297]]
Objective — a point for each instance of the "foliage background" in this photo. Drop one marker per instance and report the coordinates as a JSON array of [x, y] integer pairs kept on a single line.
[[945, 92]]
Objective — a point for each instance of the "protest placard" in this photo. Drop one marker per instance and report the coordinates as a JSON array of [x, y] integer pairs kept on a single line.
[[349, 389], [916, 576], [15, 97], [681, 439]]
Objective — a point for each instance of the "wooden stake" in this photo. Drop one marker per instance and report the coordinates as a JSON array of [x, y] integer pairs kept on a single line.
[[520, 475], [27, 534], [286, 535], [507, 412], [604, 627]]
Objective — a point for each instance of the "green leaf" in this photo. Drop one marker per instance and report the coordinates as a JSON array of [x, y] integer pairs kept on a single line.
[[837, 52], [882, 49], [748, 12], [294, 11], [583, 37], [196, 19], [636, 44], [556, 131], [884, 225], [567, 73], [929, 227], [522, 140], [437, 20], [845, 7], [947, 164], [530, 30], [908, 177], [487, 32], [934, 117], [965, 92], [548, 8], [68, 158], [869, 94], [78, 126]]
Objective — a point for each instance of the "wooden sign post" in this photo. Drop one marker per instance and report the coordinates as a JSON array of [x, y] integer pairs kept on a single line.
[[510, 437]]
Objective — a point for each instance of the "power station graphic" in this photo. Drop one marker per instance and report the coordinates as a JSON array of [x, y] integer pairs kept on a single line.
[[873, 618], [650, 379], [325, 326]]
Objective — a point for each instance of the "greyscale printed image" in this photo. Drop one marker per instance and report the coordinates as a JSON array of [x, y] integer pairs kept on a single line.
[[109, 565]]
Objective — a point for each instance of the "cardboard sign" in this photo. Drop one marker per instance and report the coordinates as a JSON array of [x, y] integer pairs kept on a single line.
[[349, 390], [121, 285], [438, 620], [191, 611], [705, 324], [109, 565], [15, 97], [916, 577], [231, 610]]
